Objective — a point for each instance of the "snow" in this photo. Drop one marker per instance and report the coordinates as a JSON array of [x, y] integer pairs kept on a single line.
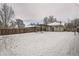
[[40, 44], [29, 26]]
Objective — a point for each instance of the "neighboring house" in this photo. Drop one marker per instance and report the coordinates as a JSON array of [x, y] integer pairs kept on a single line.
[[42, 27], [56, 26]]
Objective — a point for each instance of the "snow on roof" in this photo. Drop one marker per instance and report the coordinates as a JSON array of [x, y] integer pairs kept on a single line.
[[29, 26], [56, 23]]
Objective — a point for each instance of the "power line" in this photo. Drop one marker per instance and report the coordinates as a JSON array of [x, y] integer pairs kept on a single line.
[[76, 4]]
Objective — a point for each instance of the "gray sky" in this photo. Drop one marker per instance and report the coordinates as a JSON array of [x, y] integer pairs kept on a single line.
[[37, 11]]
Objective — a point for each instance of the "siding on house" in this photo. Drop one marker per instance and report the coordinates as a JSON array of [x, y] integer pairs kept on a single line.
[[56, 26]]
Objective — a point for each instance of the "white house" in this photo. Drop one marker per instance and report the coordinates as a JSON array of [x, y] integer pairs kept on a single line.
[[56, 26]]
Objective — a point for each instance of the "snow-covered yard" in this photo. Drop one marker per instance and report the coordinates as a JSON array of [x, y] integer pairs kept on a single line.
[[39, 44]]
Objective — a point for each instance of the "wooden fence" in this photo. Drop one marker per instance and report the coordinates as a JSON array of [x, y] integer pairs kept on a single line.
[[17, 31], [23, 30]]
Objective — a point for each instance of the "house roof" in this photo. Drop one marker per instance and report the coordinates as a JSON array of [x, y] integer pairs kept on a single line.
[[29, 26], [56, 24]]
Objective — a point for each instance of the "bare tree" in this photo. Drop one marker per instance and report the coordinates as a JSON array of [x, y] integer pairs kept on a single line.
[[51, 19], [0, 24], [12, 24], [6, 14], [45, 20], [20, 23]]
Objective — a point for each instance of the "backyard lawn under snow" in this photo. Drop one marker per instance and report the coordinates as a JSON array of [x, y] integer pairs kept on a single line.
[[39, 44]]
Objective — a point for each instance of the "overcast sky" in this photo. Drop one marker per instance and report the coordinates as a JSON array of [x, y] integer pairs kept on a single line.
[[37, 11]]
